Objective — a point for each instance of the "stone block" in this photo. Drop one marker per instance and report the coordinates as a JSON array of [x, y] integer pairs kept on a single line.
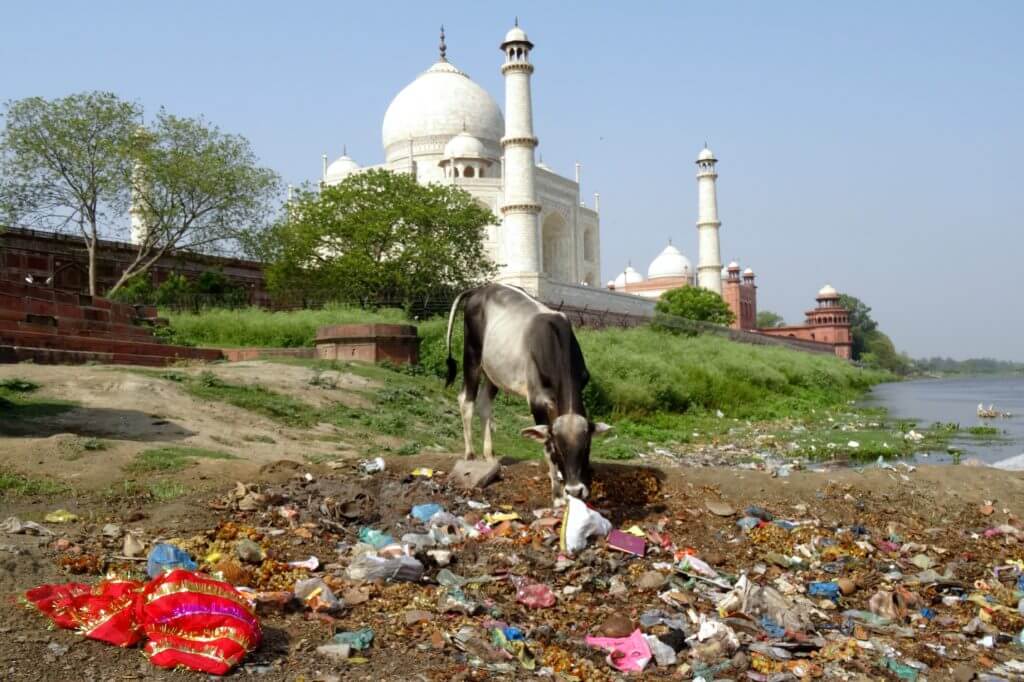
[[397, 343], [470, 474]]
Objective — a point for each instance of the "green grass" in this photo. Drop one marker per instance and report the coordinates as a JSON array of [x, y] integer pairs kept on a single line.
[[983, 431], [16, 385], [655, 388], [17, 404], [12, 483], [256, 327], [170, 459], [160, 490]]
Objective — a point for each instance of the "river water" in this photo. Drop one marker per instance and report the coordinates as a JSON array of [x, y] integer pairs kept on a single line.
[[956, 400]]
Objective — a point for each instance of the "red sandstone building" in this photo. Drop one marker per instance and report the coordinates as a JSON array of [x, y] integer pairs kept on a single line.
[[828, 323]]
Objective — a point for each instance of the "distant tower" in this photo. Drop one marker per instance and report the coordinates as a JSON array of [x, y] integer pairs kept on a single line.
[[519, 224], [709, 263]]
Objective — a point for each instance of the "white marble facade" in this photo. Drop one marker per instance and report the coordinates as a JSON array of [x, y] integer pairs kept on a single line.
[[445, 128]]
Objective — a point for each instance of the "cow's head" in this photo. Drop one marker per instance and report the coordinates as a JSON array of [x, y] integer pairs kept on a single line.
[[567, 445]]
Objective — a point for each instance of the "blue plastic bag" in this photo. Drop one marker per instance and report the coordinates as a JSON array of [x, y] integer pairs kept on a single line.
[[375, 537], [827, 590], [425, 512], [164, 557]]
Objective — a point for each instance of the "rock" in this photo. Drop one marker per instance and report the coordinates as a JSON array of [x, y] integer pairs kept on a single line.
[[413, 617], [249, 551], [963, 673], [651, 580], [616, 626], [337, 652], [133, 545], [475, 473], [719, 508], [57, 649]]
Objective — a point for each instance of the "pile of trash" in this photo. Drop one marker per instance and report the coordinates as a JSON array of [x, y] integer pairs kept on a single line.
[[469, 580]]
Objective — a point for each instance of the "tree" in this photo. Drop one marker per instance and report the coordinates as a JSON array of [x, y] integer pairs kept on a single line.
[[63, 163], [194, 188], [378, 238], [693, 303], [766, 319], [881, 352], [861, 323]]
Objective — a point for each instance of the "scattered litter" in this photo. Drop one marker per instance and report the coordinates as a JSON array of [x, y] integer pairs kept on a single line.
[[60, 516]]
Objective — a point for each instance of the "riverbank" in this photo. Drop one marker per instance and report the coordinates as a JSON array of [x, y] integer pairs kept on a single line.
[[950, 405]]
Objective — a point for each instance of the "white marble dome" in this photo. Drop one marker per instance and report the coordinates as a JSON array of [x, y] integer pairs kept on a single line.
[[828, 291], [749, 272], [441, 103], [669, 263], [340, 169], [464, 146], [628, 276], [516, 35], [705, 155]]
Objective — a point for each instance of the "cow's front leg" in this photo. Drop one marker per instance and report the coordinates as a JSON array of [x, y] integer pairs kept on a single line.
[[466, 408], [557, 485]]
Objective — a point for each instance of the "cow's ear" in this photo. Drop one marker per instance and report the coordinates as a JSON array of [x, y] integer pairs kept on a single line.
[[538, 433], [599, 428]]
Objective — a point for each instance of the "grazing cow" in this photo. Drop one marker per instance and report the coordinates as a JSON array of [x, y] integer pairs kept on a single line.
[[516, 343]]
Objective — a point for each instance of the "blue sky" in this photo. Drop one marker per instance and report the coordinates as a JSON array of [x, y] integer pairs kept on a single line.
[[876, 146]]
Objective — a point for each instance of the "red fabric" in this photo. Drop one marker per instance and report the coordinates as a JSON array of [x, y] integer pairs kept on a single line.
[[187, 618]]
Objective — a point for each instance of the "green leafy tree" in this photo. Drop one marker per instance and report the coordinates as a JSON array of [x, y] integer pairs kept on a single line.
[[138, 289], [766, 319], [881, 352], [693, 303], [378, 237], [195, 188], [861, 323], [63, 164]]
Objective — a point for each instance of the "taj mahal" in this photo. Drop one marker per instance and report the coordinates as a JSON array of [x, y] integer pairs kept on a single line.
[[445, 128]]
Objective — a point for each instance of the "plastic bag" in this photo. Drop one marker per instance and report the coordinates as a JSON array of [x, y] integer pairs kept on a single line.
[[370, 567], [314, 593], [165, 557], [628, 654], [375, 538], [357, 639], [424, 512], [534, 595], [579, 523]]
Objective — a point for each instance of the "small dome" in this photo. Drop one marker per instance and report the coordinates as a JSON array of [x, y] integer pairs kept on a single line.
[[628, 276], [611, 283], [748, 272], [828, 291], [340, 169], [706, 155], [515, 35], [734, 265], [464, 146], [669, 263]]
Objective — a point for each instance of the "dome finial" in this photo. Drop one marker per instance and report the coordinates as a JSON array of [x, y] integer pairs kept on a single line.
[[344, 150], [670, 241], [517, 20], [444, 48]]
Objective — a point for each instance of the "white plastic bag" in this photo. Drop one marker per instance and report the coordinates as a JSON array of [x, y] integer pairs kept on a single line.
[[579, 523]]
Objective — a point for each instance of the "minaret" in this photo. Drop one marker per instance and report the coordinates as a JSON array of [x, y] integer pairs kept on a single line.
[[709, 264], [519, 225]]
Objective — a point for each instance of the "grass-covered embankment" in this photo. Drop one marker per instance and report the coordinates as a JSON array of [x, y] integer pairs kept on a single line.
[[655, 387]]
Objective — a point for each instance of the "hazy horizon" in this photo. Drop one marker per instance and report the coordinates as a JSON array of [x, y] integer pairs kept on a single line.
[[873, 147]]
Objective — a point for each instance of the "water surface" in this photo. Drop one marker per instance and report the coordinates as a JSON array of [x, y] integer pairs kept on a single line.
[[956, 400]]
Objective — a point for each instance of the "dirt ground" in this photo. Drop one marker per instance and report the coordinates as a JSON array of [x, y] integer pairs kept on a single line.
[[942, 511]]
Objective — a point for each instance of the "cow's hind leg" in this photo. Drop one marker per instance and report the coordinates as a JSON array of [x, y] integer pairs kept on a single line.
[[470, 385], [485, 404]]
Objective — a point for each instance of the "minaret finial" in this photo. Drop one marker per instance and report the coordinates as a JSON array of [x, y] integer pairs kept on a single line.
[[444, 48], [517, 20]]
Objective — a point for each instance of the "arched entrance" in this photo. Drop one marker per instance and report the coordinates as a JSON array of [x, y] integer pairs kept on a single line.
[[556, 250]]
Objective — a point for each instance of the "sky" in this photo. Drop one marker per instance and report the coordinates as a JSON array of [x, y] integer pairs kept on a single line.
[[874, 146]]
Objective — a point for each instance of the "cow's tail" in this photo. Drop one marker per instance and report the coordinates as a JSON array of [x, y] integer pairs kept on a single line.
[[450, 362]]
